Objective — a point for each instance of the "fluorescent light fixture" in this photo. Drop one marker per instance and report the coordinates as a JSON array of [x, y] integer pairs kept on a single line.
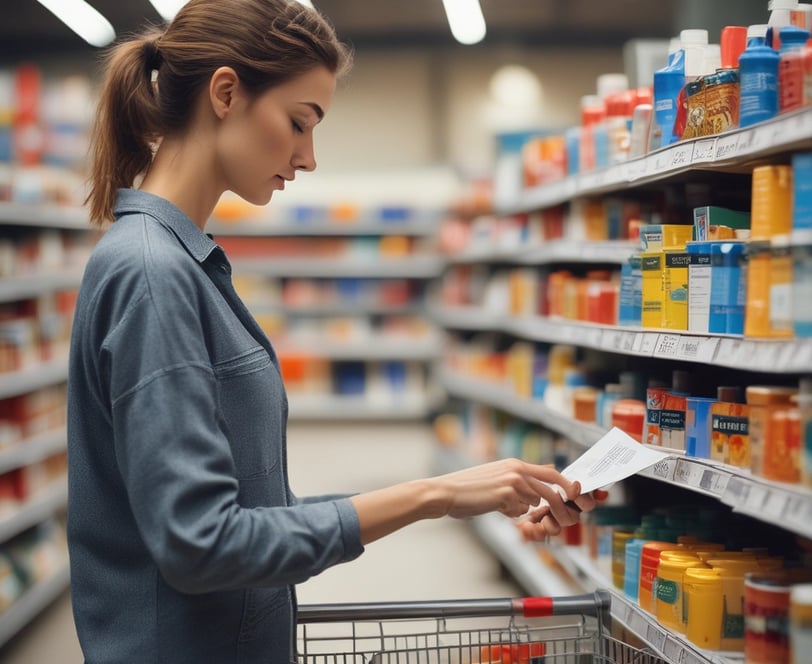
[[465, 20], [168, 8], [83, 19]]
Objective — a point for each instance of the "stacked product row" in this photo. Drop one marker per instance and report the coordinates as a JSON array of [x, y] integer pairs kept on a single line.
[[764, 428], [753, 74]]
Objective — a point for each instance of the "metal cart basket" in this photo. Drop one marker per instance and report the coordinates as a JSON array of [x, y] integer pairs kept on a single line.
[[534, 630]]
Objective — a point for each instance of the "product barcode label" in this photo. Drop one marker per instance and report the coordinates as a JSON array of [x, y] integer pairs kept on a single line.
[[727, 147], [704, 151]]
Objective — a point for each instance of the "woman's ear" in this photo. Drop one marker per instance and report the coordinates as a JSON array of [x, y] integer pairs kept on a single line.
[[223, 86]]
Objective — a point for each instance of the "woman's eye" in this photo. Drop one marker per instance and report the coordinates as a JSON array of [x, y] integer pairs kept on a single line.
[[297, 127]]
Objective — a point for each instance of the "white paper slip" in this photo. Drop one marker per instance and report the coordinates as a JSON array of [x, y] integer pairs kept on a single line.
[[614, 457]]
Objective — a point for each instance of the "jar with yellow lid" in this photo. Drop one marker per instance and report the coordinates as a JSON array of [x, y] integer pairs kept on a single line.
[[704, 607], [731, 573], [649, 564], [670, 602]]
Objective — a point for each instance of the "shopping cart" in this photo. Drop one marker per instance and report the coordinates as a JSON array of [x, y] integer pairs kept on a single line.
[[535, 630]]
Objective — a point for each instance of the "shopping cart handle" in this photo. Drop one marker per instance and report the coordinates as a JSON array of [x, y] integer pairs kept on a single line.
[[591, 604]]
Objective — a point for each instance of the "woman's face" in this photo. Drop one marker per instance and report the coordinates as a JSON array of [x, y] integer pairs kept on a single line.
[[268, 138]]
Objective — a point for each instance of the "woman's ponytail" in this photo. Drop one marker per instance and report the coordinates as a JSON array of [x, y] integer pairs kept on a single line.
[[127, 123]]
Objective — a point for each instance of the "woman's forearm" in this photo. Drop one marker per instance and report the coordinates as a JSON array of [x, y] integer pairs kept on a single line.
[[384, 511]]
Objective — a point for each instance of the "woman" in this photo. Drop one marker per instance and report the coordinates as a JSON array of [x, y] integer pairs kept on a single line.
[[185, 538]]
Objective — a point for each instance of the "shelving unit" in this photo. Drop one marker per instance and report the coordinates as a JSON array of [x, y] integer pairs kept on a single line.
[[49, 500], [417, 267], [769, 502]]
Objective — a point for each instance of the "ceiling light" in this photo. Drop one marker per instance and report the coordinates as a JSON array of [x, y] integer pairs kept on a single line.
[[465, 20], [306, 3], [83, 19], [168, 8]]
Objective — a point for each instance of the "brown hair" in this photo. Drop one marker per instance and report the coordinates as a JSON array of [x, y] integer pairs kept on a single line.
[[267, 42]]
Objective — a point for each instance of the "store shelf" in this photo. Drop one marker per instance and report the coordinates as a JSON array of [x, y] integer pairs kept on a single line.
[[552, 251], [44, 216], [40, 506], [423, 226], [771, 502], [15, 383], [33, 449], [23, 288], [765, 355], [725, 152], [373, 348], [530, 410], [672, 647], [525, 562], [338, 309], [32, 602], [413, 267], [342, 408]]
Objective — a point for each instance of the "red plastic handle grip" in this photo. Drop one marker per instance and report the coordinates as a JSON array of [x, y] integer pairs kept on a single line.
[[537, 607]]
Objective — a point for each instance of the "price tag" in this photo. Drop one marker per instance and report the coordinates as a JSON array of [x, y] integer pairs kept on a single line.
[[689, 473], [648, 343], [664, 469], [697, 349], [767, 355], [681, 156], [775, 505], [629, 339], [704, 151], [660, 162], [755, 499], [745, 352], [803, 355], [655, 637], [674, 651], [667, 345], [612, 340], [636, 170], [798, 514], [727, 147], [745, 143]]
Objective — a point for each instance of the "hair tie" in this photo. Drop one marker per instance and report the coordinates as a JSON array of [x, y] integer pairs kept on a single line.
[[152, 55]]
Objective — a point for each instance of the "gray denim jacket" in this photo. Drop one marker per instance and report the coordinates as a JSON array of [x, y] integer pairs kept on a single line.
[[185, 539]]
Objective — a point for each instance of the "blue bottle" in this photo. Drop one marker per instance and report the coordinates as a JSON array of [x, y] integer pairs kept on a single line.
[[728, 288], [758, 75], [668, 82]]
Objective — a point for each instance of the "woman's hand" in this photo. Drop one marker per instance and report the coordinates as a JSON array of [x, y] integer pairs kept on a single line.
[[540, 522], [509, 486], [513, 487]]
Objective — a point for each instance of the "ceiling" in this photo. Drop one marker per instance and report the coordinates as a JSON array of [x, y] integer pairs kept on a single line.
[[30, 29]]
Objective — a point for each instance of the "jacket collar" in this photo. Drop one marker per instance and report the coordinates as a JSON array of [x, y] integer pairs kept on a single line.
[[197, 243]]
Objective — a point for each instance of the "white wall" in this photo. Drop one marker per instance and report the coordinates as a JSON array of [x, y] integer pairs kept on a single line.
[[405, 110]]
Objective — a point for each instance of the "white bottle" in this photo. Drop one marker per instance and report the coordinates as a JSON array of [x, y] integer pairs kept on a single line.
[[693, 45], [780, 16]]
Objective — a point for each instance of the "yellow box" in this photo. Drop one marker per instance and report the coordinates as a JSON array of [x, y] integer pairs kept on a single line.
[[651, 266], [675, 285], [657, 237]]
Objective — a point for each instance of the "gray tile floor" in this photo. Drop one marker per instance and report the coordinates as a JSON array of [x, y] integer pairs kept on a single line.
[[428, 560]]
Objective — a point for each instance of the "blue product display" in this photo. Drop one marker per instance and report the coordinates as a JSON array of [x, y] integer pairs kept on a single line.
[[631, 573], [758, 73], [802, 191], [802, 291], [630, 297], [697, 426], [700, 273], [600, 135], [668, 82], [728, 288], [572, 141]]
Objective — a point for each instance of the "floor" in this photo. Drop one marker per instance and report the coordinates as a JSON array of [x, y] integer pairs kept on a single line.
[[429, 560]]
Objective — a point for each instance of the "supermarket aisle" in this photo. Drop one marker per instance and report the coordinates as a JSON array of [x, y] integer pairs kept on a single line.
[[433, 559]]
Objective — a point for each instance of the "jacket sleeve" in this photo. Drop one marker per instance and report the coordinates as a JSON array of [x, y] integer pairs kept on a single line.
[[179, 472]]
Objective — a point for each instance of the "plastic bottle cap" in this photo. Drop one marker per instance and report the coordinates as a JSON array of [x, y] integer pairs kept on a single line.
[[611, 83], [757, 30], [693, 37], [733, 42], [774, 5], [792, 35]]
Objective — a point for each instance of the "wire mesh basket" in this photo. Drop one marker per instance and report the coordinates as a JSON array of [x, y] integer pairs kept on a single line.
[[534, 630]]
